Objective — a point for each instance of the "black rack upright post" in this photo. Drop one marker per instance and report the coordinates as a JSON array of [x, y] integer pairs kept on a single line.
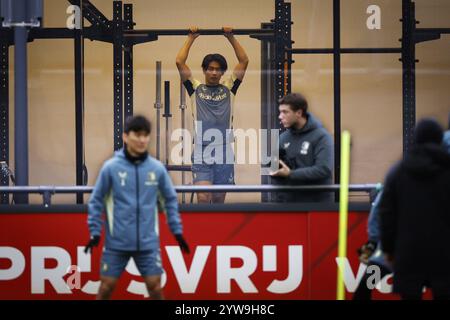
[[21, 105], [409, 72], [128, 63], [268, 100], [79, 103], [167, 115], [183, 107], [281, 65], [118, 73], [287, 23], [157, 106], [337, 88], [280, 48], [4, 110]]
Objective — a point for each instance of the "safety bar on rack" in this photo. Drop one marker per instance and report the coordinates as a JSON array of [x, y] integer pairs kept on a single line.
[[48, 191]]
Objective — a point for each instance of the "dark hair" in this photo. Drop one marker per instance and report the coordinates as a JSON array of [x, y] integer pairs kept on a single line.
[[296, 101], [136, 124], [428, 130], [220, 59]]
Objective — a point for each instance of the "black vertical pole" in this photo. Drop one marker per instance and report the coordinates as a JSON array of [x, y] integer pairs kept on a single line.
[[272, 120], [409, 72], [167, 115], [4, 113], [21, 104], [337, 88], [279, 28], [287, 23], [79, 103], [282, 41], [158, 108], [278, 79], [128, 63], [183, 137], [118, 74], [266, 98]]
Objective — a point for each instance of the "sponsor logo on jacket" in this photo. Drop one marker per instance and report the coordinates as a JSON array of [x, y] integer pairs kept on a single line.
[[305, 147], [151, 179], [123, 176]]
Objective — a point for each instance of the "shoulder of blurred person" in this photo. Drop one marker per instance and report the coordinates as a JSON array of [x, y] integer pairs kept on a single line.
[[446, 140], [427, 160], [425, 167]]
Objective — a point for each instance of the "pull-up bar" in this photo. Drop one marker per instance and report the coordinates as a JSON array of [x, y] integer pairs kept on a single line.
[[434, 30], [344, 50], [205, 32]]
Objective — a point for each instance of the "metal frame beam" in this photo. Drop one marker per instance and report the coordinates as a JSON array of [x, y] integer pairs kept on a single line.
[[91, 33]]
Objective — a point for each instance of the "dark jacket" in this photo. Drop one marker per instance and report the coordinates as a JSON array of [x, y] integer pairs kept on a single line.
[[415, 219], [308, 152]]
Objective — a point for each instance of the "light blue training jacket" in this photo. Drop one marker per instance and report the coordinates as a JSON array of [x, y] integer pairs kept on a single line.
[[373, 230], [128, 192]]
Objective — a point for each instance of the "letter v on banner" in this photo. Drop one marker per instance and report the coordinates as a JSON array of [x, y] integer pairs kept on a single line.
[[350, 281], [188, 279]]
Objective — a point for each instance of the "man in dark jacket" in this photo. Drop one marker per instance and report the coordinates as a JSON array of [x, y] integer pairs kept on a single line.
[[305, 151], [415, 216]]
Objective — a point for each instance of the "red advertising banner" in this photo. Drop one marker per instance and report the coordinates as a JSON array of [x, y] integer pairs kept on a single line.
[[234, 255]]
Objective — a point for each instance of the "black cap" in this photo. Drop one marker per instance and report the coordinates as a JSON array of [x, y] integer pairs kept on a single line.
[[428, 130]]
